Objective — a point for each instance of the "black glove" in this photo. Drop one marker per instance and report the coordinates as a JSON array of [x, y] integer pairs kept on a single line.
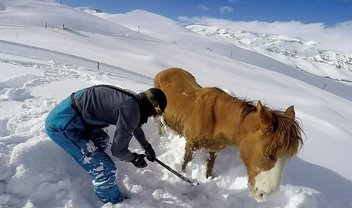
[[139, 161], [100, 138], [149, 152]]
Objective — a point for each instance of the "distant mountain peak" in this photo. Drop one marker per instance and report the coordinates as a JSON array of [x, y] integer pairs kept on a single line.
[[90, 9], [306, 55]]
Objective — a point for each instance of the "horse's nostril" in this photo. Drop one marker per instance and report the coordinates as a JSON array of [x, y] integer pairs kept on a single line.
[[261, 195]]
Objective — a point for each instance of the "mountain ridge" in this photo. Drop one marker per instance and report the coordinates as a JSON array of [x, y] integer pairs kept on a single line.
[[305, 55]]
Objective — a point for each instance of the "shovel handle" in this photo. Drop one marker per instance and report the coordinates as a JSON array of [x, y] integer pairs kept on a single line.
[[175, 172]]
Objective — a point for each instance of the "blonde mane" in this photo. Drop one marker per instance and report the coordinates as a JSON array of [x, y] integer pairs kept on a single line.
[[287, 135]]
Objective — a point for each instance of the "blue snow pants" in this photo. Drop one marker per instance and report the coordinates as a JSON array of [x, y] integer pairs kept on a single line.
[[68, 131]]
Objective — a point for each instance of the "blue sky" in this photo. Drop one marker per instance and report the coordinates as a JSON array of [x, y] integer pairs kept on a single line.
[[329, 12]]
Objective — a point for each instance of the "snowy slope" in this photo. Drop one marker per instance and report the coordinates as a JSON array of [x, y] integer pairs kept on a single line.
[[34, 13], [149, 24], [39, 67]]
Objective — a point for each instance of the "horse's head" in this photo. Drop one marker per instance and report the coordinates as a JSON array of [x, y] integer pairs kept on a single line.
[[273, 137]]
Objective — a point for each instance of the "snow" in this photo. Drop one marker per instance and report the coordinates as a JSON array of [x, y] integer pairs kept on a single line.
[[39, 67], [303, 55]]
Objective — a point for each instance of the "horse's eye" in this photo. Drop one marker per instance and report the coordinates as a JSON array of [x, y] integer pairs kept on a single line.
[[270, 157]]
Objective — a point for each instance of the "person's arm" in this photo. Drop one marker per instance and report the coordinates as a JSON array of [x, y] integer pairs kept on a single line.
[[127, 122], [149, 151], [140, 136]]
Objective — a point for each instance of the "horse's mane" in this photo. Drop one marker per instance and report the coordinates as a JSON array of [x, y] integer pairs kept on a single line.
[[287, 135], [287, 132], [247, 106]]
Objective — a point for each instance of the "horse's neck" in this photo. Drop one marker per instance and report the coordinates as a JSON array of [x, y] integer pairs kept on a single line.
[[238, 127], [228, 119], [248, 126]]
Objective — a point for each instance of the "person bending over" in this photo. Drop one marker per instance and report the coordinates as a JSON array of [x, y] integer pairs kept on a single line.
[[77, 126]]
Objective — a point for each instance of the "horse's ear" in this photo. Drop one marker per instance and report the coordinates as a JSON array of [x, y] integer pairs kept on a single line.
[[264, 115], [290, 112]]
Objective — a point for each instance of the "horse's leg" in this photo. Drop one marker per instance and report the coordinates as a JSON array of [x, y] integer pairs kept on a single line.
[[188, 155], [210, 163], [160, 124]]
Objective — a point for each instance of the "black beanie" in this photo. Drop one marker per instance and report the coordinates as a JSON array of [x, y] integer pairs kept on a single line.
[[160, 97], [146, 107]]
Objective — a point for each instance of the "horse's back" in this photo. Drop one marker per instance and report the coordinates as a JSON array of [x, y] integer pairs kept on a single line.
[[175, 77], [180, 88]]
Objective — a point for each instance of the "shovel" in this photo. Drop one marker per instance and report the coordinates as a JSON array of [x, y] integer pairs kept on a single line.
[[195, 183]]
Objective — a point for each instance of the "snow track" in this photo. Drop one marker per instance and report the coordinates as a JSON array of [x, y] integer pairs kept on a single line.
[[68, 60], [22, 128]]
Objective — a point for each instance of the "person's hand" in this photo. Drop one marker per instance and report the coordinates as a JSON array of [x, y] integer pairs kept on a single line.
[[149, 152], [139, 161]]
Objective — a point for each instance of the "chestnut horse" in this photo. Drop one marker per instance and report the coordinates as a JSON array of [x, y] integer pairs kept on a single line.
[[212, 120]]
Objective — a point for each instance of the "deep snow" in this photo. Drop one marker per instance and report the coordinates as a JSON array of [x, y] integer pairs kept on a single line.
[[39, 67]]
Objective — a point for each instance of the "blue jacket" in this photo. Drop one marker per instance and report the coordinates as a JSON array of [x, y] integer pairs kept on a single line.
[[104, 105]]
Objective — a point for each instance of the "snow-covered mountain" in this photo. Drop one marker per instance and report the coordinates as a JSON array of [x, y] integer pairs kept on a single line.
[[304, 55], [41, 66]]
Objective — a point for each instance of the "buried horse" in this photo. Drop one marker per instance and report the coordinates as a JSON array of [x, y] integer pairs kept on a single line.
[[211, 120]]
